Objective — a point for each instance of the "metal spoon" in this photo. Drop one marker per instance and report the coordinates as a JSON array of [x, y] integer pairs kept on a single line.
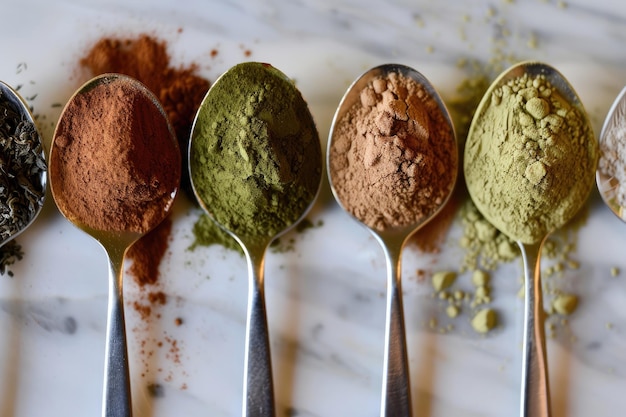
[[535, 392], [607, 184], [258, 389], [117, 392], [396, 392], [11, 97]]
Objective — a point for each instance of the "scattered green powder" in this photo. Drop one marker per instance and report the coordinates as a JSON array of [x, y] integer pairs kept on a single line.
[[482, 256], [480, 278], [614, 271], [206, 232], [256, 156], [484, 245], [531, 160], [443, 279], [452, 311], [484, 320], [565, 304]]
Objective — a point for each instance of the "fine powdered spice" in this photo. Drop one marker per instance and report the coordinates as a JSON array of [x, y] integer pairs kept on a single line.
[[484, 320], [147, 253], [255, 154], [530, 163], [179, 89], [22, 166], [114, 161], [392, 154], [206, 232]]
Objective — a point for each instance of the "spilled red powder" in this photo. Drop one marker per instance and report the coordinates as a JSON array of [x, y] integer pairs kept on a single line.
[[147, 252], [180, 90], [144, 310], [158, 297]]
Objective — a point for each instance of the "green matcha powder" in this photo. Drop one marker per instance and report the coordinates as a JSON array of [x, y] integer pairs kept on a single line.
[[256, 154]]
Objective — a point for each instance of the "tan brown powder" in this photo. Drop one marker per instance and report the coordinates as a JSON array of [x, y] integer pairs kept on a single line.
[[393, 155]]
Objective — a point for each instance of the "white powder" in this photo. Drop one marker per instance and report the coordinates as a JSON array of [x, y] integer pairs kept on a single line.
[[612, 161]]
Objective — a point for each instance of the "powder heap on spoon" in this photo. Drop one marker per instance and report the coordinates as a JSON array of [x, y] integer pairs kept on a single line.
[[400, 170]]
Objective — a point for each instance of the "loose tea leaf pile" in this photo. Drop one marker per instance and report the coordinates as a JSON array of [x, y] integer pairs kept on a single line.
[[21, 167]]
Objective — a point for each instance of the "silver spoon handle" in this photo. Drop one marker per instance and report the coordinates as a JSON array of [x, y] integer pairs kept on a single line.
[[535, 390], [258, 388], [116, 395], [396, 391]]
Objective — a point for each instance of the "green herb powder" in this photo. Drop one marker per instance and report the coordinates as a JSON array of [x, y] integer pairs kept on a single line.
[[531, 160], [255, 156]]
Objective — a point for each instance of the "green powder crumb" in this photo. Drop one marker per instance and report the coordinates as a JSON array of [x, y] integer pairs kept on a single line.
[[482, 296], [484, 246], [282, 245], [452, 311], [614, 271], [480, 278], [484, 320], [565, 304], [443, 279], [306, 224], [432, 323], [206, 233]]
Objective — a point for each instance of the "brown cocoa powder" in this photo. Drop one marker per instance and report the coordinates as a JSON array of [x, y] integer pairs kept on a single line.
[[114, 160], [147, 253], [180, 90], [392, 154]]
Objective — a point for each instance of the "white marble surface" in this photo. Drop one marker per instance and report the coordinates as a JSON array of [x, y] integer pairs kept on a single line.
[[326, 297]]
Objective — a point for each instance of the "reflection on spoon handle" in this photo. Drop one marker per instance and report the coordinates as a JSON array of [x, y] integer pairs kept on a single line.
[[396, 394], [117, 398], [258, 389], [535, 392]]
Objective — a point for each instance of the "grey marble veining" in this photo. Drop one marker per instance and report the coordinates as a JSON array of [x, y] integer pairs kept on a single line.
[[326, 295]]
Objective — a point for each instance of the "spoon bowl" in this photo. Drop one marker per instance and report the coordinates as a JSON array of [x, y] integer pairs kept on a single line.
[[117, 392], [37, 163], [248, 78], [535, 393], [608, 185], [396, 392]]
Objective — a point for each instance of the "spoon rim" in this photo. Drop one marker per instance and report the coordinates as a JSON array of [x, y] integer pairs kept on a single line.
[[244, 240], [561, 84], [605, 189], [9, 94], [94, 82], [344, 105]]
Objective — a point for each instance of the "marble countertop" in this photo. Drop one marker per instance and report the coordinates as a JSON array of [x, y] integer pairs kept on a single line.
[[326, 295]]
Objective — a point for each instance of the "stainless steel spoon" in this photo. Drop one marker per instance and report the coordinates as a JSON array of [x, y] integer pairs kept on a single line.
[[396, 392], [11, 97], [258, 389], [535, 392], [608, 184], [117, 391]]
